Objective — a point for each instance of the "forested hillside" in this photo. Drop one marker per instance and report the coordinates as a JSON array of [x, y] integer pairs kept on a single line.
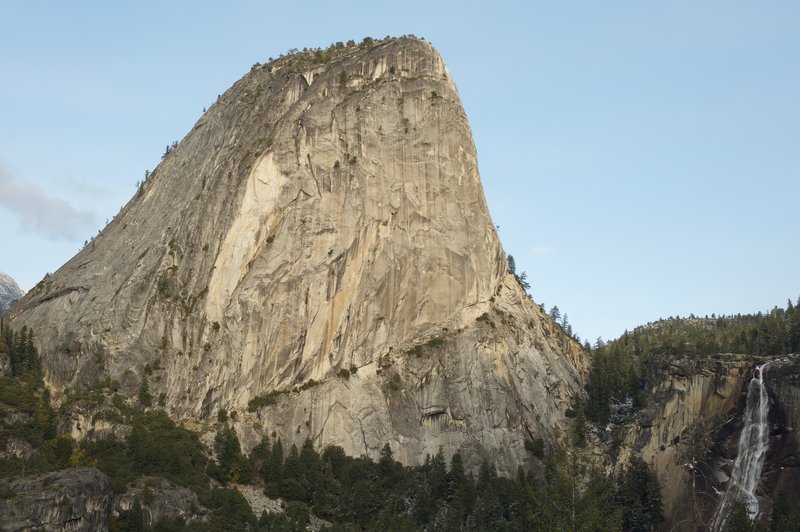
[[560, 487], [619, 367]]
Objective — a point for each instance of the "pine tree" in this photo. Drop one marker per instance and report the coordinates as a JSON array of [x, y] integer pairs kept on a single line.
[[487, 474], [639, 495], [599, 343], [275, 465], [738, 520], [389, 471], [793, 334], [273, 469], [580, 427], [229, 454], [291, 467], [599, 391], [309, 459], [437, 476], [145, 398]]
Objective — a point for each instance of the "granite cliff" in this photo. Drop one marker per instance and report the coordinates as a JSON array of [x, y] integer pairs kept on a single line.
[[72, 499], [688, 403], [319, 243], [690, 430]]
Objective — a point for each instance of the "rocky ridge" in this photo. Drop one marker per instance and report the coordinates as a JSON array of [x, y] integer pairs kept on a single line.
[[319, 239]]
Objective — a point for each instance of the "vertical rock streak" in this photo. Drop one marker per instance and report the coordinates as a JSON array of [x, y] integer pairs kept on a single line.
[[752, 449]]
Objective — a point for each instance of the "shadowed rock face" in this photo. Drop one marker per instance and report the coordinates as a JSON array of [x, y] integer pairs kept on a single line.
[[782, 471], [690, 431], [71, 499], [160, 500], [318, 217], [688, 403]]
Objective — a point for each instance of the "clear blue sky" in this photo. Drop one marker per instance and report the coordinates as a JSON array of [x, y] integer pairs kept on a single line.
[[642, 159]]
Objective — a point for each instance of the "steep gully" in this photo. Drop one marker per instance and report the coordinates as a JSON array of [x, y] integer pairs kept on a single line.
[[752, 448]]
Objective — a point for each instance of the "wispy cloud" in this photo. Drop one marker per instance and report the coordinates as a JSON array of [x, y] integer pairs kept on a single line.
[[86, 189], [41, 213], [541, 250]]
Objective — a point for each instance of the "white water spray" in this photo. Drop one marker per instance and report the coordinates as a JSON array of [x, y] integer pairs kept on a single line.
[[752, 449]]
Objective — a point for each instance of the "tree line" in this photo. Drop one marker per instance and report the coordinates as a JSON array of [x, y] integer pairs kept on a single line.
[[559, 488], [22, 355], [563, 491], [619, 367]]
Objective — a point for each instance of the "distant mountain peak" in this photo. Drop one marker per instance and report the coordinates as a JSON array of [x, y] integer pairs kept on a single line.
[[9, 291]]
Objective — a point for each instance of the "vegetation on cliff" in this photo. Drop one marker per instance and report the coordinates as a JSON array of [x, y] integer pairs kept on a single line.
[[560, 487], [28, 440]]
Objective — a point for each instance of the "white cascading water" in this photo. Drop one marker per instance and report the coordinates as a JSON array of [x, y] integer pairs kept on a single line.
[[752, 449]]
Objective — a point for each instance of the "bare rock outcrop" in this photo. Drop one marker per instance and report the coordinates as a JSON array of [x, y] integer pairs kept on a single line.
[[91, 421], [161, 500], [260, 503], [324, 215], [70, 499]]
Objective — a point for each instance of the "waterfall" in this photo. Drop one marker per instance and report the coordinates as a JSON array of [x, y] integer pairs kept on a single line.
[[752, 449]]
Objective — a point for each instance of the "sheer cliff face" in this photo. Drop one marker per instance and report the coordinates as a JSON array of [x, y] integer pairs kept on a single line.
[[318, 217], [690, 401], [690, 430]]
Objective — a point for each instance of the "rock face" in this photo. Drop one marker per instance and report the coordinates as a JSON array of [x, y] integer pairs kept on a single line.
[[88, 421], [161, 500], [324, 215], [260, 503], [691, 401], [783, 380], [71, 499], [690, 431], [9, 291], [782, 468]]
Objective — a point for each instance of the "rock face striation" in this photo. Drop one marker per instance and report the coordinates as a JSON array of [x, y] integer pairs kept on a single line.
[[781, 473], [691, 429], [688, 404], [9, 291], [319, 239], [70, 499], [160, 500]]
